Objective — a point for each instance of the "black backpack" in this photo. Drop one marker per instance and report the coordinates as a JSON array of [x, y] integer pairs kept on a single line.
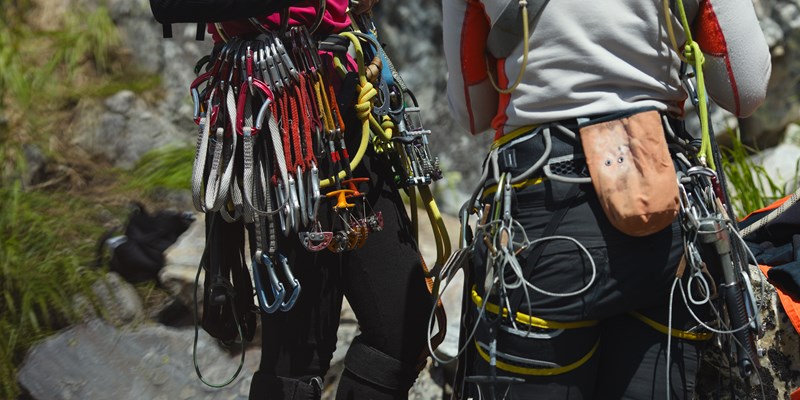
[[138, 254]]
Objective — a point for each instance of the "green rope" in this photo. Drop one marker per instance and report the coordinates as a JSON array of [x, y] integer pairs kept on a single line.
[[694, 56]]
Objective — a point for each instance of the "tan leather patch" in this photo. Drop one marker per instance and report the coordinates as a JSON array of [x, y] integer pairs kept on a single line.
[[632, 172]]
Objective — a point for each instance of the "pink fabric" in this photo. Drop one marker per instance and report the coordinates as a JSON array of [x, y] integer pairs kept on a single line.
[[304, 12]]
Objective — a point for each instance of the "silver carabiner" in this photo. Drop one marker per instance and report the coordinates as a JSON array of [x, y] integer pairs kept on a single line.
[[284, 204], [301, 199], [294, 205], [287, 271], [314, 197]]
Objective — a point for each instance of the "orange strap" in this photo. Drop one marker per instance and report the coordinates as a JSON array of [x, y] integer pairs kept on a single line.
[[770, 207]]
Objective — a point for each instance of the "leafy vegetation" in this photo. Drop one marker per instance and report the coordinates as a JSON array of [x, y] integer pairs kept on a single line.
[[43, 261], [163, 168], [752, 187], [48, 231]]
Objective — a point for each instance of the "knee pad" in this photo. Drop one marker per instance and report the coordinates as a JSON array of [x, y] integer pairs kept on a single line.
[[270, 387], [376, 367]]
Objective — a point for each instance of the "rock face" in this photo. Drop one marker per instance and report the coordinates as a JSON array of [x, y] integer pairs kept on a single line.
[[780, 22], [98, 361]]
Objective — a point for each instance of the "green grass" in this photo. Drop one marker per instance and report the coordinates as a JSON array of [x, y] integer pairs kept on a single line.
[[47, 236], [752, 187], [47, 242], [38, 66], [164, 168]]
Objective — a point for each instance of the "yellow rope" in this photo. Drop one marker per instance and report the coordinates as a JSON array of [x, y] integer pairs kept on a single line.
[[525, 37], [539, 371], [529, 319], [363, 107], [676, 333]]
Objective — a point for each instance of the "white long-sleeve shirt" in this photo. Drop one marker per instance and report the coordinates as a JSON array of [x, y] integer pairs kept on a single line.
[[590, 57]]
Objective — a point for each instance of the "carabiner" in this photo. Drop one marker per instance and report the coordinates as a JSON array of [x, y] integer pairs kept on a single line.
[[287, 271], [294, 204], [284, 204], [289, 67], [314, 197], [301, 199], [261, 258]]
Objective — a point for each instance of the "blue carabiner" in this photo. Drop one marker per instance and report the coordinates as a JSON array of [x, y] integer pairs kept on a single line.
[[277, 288]]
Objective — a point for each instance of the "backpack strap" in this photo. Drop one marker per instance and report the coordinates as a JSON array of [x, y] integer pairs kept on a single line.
[[200, 33]]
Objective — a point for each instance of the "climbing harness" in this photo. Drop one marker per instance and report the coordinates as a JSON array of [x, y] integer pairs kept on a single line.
[[713, 272], [271, 154]]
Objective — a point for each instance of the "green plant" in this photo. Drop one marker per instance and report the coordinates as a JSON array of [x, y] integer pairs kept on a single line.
[[42, 267], [35, 65], [47, 238], [74, 44], [751, 186], [168, 168]]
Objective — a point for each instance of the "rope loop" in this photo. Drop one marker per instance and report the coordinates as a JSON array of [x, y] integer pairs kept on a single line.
[[364, 105]]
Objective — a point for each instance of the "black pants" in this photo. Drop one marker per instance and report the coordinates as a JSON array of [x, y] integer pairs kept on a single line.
[[618, 355], [383, 282]]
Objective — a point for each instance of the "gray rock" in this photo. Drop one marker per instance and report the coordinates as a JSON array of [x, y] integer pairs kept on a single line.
[[95, 361], [123, 129], [35, 165], [119, 302], [781, 165], [181, 263]]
